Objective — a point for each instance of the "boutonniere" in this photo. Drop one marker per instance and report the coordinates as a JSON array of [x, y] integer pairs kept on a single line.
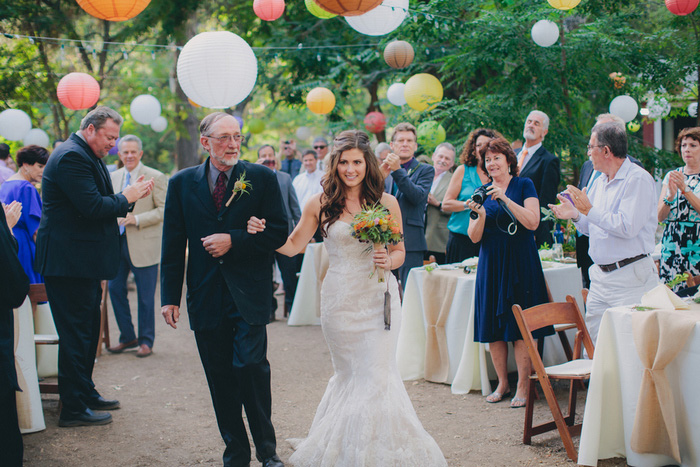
[[241, 186]]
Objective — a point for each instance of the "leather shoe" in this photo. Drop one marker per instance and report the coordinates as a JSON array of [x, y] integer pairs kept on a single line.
[[101, 403], [144, 351], [86, 418], [273, 461], [123, 346]]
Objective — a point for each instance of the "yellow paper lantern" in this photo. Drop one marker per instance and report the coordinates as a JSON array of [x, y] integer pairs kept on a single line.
[[348, 7], [423, 91], [320, 100], [564, 4], [113, 10]]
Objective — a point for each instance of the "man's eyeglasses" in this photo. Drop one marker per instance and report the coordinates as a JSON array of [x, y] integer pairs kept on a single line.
[[595, 146], [226, 138], [320, 147]]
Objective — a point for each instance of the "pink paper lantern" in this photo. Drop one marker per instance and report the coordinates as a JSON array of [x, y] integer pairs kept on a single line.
[[375, 122], [78, 91], [268, 10], [681, 7]]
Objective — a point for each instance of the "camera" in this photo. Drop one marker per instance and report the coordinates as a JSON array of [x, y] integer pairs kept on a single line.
[[479, 197]]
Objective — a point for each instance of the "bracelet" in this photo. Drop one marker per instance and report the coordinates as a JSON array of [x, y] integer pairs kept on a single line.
[[440, 206], [668, 203], [465, 206]]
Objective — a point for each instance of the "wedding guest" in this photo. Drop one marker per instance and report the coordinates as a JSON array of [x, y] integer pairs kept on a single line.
[[381, 151], [290, 164], [320, 145], [435, 218], [308, 182], [6, 171]]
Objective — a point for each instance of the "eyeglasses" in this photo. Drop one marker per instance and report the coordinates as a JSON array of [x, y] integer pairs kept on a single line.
[[226, 138], [595, 146], [320, 147]]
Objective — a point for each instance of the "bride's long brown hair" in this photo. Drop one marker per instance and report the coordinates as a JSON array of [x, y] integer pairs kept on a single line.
[[333, 199]]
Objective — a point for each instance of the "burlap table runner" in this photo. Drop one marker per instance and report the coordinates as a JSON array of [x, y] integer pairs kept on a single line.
[[659, 336], [438, 292], [321, 264]]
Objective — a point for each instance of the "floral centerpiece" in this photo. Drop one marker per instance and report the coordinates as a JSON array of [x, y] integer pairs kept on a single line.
[[376, 226]]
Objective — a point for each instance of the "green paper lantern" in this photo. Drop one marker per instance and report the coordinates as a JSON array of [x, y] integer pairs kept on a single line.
[[317, 11], [256, 125], [633, 126], [430, 134]]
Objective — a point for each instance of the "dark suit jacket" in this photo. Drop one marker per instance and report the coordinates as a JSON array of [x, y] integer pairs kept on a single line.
[[587, 171], [246, 270], [543, 170], [412, 196], [14, 286], [290, 200], [78, 234]]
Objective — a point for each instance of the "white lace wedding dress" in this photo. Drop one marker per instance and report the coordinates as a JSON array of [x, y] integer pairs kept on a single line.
[[365, 417]]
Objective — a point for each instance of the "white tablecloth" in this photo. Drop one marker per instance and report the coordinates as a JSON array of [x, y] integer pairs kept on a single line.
[[468, 369], [307, 300], [614, 390]]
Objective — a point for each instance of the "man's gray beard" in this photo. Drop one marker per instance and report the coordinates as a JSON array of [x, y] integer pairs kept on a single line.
[[222, 161]]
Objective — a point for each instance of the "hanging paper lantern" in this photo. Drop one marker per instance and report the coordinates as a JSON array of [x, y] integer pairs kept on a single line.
[[545, 32], [317, 11], [633, 126], [115, 150], [217, 69], [348, 7], [618, 79], [382, 20], [693, 109], [193, 103], [14, 124], [430, 134], [268, 10], [113, 10], [624, 107], [303, 133], [36, 136], [78, 91], [375, 122], [564, 4], [658, 107], [256, 125], [320, 100], [145, 108], [681, 7], [398, 54], [395, 94], [422, 91], [159, 124]]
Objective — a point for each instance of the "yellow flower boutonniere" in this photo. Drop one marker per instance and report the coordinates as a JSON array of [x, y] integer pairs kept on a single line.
[[242, 185]]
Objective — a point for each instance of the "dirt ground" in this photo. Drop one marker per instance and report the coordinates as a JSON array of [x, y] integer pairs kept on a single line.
[[167, 417]]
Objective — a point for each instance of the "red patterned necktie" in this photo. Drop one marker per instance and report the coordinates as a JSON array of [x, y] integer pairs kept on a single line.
[[219, 190]]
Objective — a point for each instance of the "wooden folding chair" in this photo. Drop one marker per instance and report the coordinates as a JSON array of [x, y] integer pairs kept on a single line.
[[574, 371], [37, 294]]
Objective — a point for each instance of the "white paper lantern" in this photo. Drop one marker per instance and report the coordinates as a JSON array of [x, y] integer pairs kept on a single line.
[[395, 94], [303, 133], [145, 109], [14, 124], [217, 69], [381, 20], [36, 136], [693, 109], [624, 107], [658, 107], [159, 124], [545, 33]]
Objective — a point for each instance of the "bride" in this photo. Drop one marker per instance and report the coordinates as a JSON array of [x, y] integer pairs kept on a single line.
[[365, 417]]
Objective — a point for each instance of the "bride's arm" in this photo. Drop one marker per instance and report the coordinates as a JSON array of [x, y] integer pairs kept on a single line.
[[396, 255]]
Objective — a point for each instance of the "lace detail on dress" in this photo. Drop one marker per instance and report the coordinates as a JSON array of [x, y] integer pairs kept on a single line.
[[365, 417]]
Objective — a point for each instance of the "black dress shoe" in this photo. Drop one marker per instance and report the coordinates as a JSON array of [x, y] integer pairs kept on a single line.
[[273, 461], [102, 404], [87, 418]]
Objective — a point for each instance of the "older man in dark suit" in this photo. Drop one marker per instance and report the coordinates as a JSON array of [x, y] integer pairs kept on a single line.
[[229, 281], [410, 183], [77, 247], [540, 166]]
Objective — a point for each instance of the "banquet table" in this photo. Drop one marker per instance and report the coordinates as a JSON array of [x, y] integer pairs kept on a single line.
[[307, 300], [614, 390], [462, 362]]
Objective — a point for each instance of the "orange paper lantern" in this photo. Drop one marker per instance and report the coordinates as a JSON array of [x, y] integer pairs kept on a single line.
[[348, 7], [113, 10], [268, 10], [398, 54], [320, 100], [78, 91]]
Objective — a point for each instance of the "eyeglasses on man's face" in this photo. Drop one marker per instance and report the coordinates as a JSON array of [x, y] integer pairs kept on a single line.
[[226, 138], [591, 146], [323, 146]]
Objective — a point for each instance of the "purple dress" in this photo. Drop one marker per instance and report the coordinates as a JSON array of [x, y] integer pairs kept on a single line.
[[25, 193]]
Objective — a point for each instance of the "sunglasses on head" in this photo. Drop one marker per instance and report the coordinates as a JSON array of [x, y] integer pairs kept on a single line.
[[320, 147]]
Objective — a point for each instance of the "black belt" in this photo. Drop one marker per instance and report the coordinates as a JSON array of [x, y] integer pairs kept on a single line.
[[620, 264]]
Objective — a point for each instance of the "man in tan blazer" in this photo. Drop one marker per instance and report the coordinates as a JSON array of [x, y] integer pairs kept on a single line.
[[140, 237], [436, 232]]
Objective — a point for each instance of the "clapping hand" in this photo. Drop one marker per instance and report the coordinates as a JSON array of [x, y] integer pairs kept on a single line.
[[13, 212], [676, 182], [139, 189]]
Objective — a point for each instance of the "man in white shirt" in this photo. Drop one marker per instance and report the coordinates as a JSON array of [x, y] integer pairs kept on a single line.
[[618, 213], [308, 183]]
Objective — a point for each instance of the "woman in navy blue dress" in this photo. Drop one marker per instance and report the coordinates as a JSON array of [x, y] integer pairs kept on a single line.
[[509, 269]]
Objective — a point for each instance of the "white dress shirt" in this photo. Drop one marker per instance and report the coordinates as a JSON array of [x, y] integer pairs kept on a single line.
[[306, 185], [622, 222]]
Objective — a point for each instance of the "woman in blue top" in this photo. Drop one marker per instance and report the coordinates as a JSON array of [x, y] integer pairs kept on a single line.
[[467, 177], [509, 269], [19, 187]]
